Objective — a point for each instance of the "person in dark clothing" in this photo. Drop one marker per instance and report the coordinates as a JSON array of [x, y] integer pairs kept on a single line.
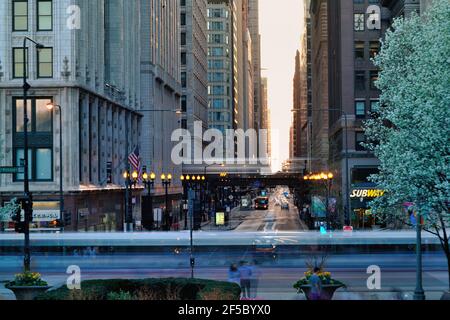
[[245, 273]]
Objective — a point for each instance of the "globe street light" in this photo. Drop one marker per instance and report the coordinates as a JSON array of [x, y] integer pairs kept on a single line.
[[51, 106], [166, 181]]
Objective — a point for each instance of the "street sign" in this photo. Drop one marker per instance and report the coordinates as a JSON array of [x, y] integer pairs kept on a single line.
[[220, 218], [11, 170]]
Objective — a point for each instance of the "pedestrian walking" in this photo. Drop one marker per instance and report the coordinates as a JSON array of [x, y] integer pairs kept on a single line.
[[234, 275], [316, 284], [245, 276], [254, 279]]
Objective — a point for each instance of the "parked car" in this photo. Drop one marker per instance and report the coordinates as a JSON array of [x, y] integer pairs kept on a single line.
[[285, 206]]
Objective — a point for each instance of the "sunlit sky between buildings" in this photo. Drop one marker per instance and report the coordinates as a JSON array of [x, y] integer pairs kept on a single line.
[[281, 24]]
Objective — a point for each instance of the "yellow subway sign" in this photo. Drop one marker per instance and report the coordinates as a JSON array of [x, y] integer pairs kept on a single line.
[[366, 193]]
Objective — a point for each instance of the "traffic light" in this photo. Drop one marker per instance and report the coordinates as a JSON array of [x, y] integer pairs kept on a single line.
[[67, 218], [19, 225], [27, 207]]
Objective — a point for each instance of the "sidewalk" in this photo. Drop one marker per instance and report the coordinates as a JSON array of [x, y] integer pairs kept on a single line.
[[236, 218]]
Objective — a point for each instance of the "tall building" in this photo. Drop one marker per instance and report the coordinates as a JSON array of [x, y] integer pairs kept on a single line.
[[222, 65], [345, 36], [194, 70], [296, 127], [305, 104], [90, 67], [265, 114], [230, 67], [161, 92], [320, 83], [253, 26]]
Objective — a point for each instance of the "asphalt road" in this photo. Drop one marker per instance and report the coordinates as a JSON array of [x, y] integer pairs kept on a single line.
[[279, 270], [273, 220]]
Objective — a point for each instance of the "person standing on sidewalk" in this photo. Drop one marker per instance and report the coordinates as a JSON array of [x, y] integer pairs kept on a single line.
[[233, 275], [254, 279], [245, 275]]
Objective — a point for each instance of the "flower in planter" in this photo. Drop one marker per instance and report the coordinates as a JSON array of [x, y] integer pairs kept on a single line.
[[27, 279], [324, 276]]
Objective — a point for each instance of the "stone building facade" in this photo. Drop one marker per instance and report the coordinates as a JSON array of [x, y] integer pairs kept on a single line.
[[90, 67]]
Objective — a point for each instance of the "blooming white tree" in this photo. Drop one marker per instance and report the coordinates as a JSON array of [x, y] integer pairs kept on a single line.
[[410, 132]]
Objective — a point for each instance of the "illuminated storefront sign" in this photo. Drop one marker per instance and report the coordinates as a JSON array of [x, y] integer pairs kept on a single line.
[[366, 193]]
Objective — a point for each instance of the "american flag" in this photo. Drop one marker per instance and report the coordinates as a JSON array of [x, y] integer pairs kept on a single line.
[[134, 159]]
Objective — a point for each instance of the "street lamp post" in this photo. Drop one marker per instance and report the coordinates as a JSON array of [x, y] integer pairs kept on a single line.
[[193, 182], [28, 203], [51, 106], [130, 180], [149, 182], [166, 181], [419, 293]]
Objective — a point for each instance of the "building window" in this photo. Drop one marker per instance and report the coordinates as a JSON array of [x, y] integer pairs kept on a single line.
[[360, 109], [45, 63], [374, 105], [183, 124], [374, 48], [44, 15], [183, 38], [373, 79], [360, 137], [183, 103], [183, 79], [359, 21], [183, 19], [215, 51], [183, 58], [360, 80], [18, 65], [20, 15], [40, 135], [359, 50]]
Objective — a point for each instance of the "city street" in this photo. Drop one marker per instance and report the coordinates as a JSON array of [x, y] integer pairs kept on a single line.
[[278, 272], [272, 220]]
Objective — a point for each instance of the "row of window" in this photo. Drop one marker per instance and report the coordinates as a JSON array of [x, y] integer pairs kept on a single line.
[[219, 90], [360, 49], [218, 64], [218, 26], [44, 62], [44, 15], [218, 13], [360, 80], [218, 38], [219, 104], [219, 116], [361, 107]]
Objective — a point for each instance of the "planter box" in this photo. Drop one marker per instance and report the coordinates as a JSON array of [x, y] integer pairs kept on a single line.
[[327, 291], [27, 293]]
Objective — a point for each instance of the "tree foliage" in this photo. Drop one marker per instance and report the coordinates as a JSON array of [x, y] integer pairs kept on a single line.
[[410, 132]]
